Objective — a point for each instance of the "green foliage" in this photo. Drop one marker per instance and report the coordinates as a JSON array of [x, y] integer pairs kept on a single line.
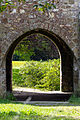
[[74, 99], [7, 3], [4, 4], [9, 96], [39, 74], [40, 6], [22, 51], [17, 78], [35, 47], [45, 5]]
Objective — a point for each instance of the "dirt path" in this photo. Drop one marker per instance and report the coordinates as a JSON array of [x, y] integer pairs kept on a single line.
[[34, 90]]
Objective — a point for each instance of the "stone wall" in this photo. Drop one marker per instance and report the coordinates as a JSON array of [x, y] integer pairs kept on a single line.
[[62, 21]]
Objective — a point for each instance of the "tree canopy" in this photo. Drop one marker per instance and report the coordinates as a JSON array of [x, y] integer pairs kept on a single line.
[[35, 47], [41, 5]]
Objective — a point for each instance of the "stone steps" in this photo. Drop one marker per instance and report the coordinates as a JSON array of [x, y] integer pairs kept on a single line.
[[24, 96], [44, 103]]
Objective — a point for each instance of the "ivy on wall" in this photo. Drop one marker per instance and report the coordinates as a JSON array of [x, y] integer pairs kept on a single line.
[[40, 5]]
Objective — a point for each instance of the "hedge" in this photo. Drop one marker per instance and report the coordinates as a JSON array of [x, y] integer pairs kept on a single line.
[[38, 74]]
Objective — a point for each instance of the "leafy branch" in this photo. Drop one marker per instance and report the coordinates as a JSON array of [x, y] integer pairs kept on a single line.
[[45, 5], [7, 3], [42, 5]]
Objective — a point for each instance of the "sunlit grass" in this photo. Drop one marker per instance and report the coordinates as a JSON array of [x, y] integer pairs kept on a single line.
[[18, 64], [17, 111]]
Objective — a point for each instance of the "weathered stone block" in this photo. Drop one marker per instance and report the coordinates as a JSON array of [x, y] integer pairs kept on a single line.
[[71, 1]]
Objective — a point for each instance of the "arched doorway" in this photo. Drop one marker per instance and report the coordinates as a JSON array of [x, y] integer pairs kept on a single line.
[[66, 82]]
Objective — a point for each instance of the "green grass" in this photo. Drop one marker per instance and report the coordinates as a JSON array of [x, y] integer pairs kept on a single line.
[[17, 111], [18, 64]]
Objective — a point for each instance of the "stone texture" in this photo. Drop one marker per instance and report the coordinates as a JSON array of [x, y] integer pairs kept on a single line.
[[63, 22]]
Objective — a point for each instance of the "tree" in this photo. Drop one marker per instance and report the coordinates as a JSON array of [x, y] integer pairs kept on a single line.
[[23, 51], [35, 47], [41, 5]]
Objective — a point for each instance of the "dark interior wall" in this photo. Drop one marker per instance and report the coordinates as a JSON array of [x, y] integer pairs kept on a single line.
[[66, 59], [67, 72]]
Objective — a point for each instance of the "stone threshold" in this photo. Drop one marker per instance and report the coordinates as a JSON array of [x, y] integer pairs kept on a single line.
[[43, 102]]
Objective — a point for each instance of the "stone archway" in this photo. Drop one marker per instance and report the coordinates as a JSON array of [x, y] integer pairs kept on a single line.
[[66, 83]]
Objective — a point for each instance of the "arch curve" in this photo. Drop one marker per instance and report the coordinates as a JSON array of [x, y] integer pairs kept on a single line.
[[67, 55]]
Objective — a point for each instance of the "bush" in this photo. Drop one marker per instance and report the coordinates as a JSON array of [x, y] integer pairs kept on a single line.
[[17, 78], [39, 74]]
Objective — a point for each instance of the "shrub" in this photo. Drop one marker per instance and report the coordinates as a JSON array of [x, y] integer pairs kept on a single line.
[[17, 78], [38, 74], [51, 79]]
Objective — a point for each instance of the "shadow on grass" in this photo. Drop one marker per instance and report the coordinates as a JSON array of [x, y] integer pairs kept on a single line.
[[21, 115], [73, 101], [6, 101]]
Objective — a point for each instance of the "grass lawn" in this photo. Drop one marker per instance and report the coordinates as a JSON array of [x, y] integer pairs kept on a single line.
[[17, 111], [18, 64]]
